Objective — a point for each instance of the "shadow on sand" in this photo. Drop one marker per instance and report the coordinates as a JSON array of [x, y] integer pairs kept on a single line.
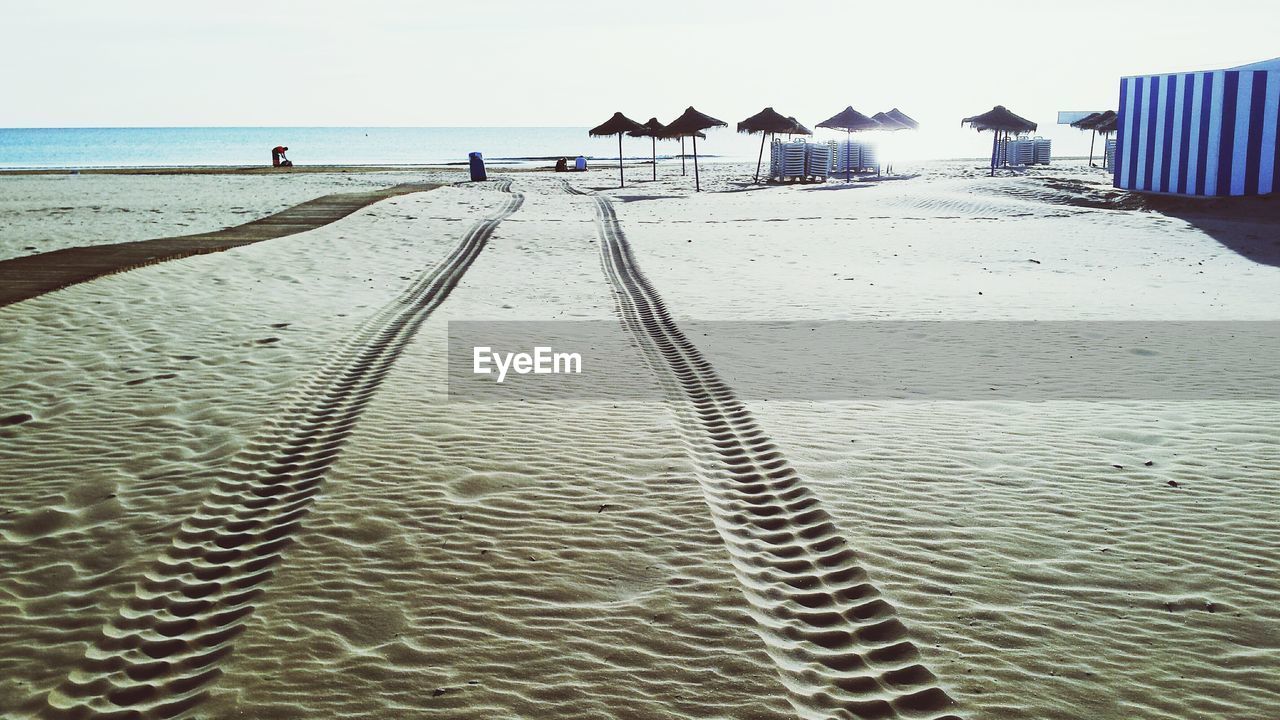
[[1248, 226]]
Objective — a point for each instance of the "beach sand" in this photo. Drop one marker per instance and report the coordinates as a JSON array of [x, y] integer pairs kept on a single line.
[[232, 485]]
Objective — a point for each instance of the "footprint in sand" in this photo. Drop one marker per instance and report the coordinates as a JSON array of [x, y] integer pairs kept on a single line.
[[15, 419]]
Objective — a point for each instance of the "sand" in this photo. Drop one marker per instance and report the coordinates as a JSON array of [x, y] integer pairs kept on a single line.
[[44, 211], [248, 496]]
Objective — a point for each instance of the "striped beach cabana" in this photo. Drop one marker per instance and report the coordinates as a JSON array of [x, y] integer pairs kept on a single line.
[[1210, 133]]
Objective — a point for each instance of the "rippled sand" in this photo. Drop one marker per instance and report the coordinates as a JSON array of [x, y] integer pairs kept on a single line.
[[232, 485]]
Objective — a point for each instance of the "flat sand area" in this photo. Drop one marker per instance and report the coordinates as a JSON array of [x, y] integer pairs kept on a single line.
[[234, 486]]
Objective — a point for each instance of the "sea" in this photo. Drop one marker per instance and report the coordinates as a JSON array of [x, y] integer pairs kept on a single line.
[[235, 146], [74, 148]]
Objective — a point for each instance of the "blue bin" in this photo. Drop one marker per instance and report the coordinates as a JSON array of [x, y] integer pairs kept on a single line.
[[477, 167]]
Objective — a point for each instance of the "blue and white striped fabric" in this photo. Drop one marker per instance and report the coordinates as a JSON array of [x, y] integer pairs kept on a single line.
[[1200, 133]]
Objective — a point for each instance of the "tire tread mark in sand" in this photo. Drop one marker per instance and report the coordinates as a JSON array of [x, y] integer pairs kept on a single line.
[[840, 650], [159, 653]]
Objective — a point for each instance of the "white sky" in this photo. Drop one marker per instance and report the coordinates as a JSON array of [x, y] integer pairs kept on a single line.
[[77, 63]]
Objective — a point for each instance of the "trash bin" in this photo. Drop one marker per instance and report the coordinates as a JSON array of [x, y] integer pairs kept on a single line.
[[477, 167]]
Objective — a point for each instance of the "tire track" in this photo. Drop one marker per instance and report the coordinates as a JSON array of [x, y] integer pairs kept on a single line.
[[839, 647], [158, 655]]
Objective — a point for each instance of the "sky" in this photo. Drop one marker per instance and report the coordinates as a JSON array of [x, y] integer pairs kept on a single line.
[[80, 63]]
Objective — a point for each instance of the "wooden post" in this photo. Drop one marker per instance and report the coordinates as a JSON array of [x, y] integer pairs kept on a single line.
[[995, 140], [653, 142], [760, 157], [682, 170], [1093, 136], [847, 134], [697, 186], [621, 181]]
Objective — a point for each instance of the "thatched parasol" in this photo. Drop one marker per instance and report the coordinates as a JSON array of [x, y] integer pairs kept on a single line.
[[887, 123], [903, 119], [652, 130], [616, 125], [1107, 126], [797, 128], [999, 120], [1091, 122], [769, 122], [850, 121], [691, 124]]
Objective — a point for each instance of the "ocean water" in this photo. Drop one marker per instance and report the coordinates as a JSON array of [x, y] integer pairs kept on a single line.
[[162, 147], [237, 146]]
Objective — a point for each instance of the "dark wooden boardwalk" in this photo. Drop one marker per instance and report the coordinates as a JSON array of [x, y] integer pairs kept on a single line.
[[26, 277]]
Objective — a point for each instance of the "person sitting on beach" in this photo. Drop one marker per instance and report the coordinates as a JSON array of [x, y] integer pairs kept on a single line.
[[562, 165], [277, 157], [580, 164]]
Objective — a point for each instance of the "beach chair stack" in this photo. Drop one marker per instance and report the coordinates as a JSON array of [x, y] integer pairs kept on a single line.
[[1020, 153], [1109, 154], [848, 156], [869, 162], [794, 156], [818, 160], [1041, 148], [856, 157]]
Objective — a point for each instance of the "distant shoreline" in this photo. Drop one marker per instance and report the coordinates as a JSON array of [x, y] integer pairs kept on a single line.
[[503, 164]]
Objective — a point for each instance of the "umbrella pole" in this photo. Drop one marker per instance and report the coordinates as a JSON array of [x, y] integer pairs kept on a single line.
[[682, 170], [1092, 138], [621, 181], [760, 157], [653, 143], [995, 143], [847, 136], [696, 183]]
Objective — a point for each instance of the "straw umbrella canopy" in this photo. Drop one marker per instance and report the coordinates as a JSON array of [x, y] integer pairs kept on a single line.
[[891, 124], [1107, 126], [887, 123], [850, 121], [999, 120], [770, 122], [691, 124], [797, 128], [652, 130], [903, 119], [616, 125], [1091, 122]]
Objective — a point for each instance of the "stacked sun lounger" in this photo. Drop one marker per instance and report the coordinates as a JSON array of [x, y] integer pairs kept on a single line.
[[853, 156], [1019, 153], [1109, 155], [869, 162], [1041, 150], [793, 159], [799, 160], [818, 160]]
